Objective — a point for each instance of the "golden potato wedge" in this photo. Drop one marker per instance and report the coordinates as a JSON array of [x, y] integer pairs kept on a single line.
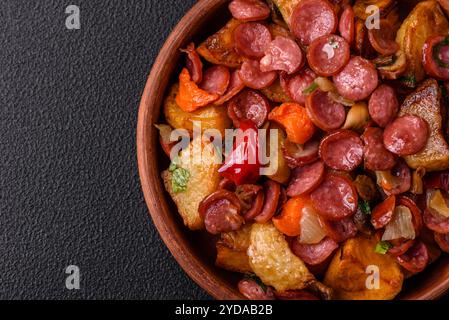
[[281, 171], [426, 102], [273, 262], [231, 250], [426, 19], [286, 8], [348, 276], [211, 117], [219, 48], [204, 178], [275, 93]]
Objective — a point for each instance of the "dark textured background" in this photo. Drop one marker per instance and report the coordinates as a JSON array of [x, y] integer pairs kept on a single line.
[[69, 186]]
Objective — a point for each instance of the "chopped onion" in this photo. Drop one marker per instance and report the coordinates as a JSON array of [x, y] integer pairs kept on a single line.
[[357, 116], [339, 99], [417, 183], [400, 226], [386, 180], [165, 132], [325, 84], [311, 228], [437, 202]]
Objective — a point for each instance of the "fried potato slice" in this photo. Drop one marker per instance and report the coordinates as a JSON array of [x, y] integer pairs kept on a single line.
[[231, 250], [219, 48], [426, 102], [348, 276], [275, 93], [204, 178], [286, 8], [426, 19], [211, 117], [273, 262]]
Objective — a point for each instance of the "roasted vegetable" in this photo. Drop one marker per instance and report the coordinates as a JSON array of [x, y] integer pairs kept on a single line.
[[219, 48], [276, 93], [360, 7], [274, 263], [396, 68], [286, 8], [211, 117], [281, 169], [231, 250], [349, 272], [357, 117], [426, 103], [201, 179], [425, 20]]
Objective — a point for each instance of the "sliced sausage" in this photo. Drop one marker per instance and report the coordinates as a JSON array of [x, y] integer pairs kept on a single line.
[[383, 212], [253, 78], [252, 39], [253, 291], [297, 156], [342, 150], [272, 200], [443, 241], [336, 198], [251, 198], [249, 10], [312, 19], [357, 80], [249, 105], [406, 135], [295, 295], [415, 211], [295, 85], [306, 179], [282, 54], [324, 112], [235, 86], [328, 54], [346, 26], [415, 259], [221, 212], [314, 254], [400, 246], [193, 63], [226, 184], [435, 221], [383, 38], [436, 57], [383, 105], [340, 231], [216, 80], [376, 156], [402, 179]]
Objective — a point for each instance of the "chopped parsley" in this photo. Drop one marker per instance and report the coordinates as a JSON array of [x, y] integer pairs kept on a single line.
[[180, 178], [310, 88], [382, 247], [256, 279], [365, 207]]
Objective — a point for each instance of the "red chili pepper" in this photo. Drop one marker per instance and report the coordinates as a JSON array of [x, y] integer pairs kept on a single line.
[[242, 166]]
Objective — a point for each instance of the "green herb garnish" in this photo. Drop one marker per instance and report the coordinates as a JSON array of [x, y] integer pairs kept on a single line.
[[256, 279], [436, 53], [382, 247], [180, 178], [365, 207], [409, 81], [310, 88]]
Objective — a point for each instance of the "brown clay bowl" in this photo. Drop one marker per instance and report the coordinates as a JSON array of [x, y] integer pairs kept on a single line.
[[195, 251]]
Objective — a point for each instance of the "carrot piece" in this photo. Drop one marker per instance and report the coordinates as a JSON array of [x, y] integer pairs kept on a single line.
[[288, 220], [293, 117], [190, 97]]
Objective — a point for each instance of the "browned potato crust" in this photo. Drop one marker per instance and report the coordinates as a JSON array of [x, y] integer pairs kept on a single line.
[[231, 250]]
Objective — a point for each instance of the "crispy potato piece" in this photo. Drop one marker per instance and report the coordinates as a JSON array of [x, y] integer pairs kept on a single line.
[[426, 19], [231, 250], [211, 117], [204, 178], [347, 272], [286, 8], [274, 263], [360, 6], [275, 93], [426, 103], [219, 48]]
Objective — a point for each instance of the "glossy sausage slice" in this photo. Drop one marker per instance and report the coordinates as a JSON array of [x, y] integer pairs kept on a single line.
[[383, 105], [312, 19], [314, 254], [383, 212], [342, 150], [357, 80], [282, 54], [272, 199], [436, 57], [406, 135], [336, 198], [249, 105], [253, 291], [297, 155], [296, 84], [193, 63], [443, 241], [346, 26], [324, 112], [235, 86], [435, 221], [249, 10], [221, 212], [295, 295], [328, 54], [415, 259], [216, 80], [383, 38], [253, 78], [306, 179], [376, 156], [252, 39], [402, 179], [400, 246], [340, 231]]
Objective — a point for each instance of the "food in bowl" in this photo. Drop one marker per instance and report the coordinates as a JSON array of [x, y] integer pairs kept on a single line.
[[309, 138]]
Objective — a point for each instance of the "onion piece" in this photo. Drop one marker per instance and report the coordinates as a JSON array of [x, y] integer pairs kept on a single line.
[[386, 180], [325, 84], [400, 226], [357, 116], [436, 201], [311, 229], [417, 183], [339, 99], [165, 132]]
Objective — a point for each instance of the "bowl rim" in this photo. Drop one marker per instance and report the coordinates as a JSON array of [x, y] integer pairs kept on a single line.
[[178, 245]]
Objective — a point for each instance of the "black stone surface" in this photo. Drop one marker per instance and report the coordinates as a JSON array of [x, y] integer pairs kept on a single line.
[[69, 187]]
